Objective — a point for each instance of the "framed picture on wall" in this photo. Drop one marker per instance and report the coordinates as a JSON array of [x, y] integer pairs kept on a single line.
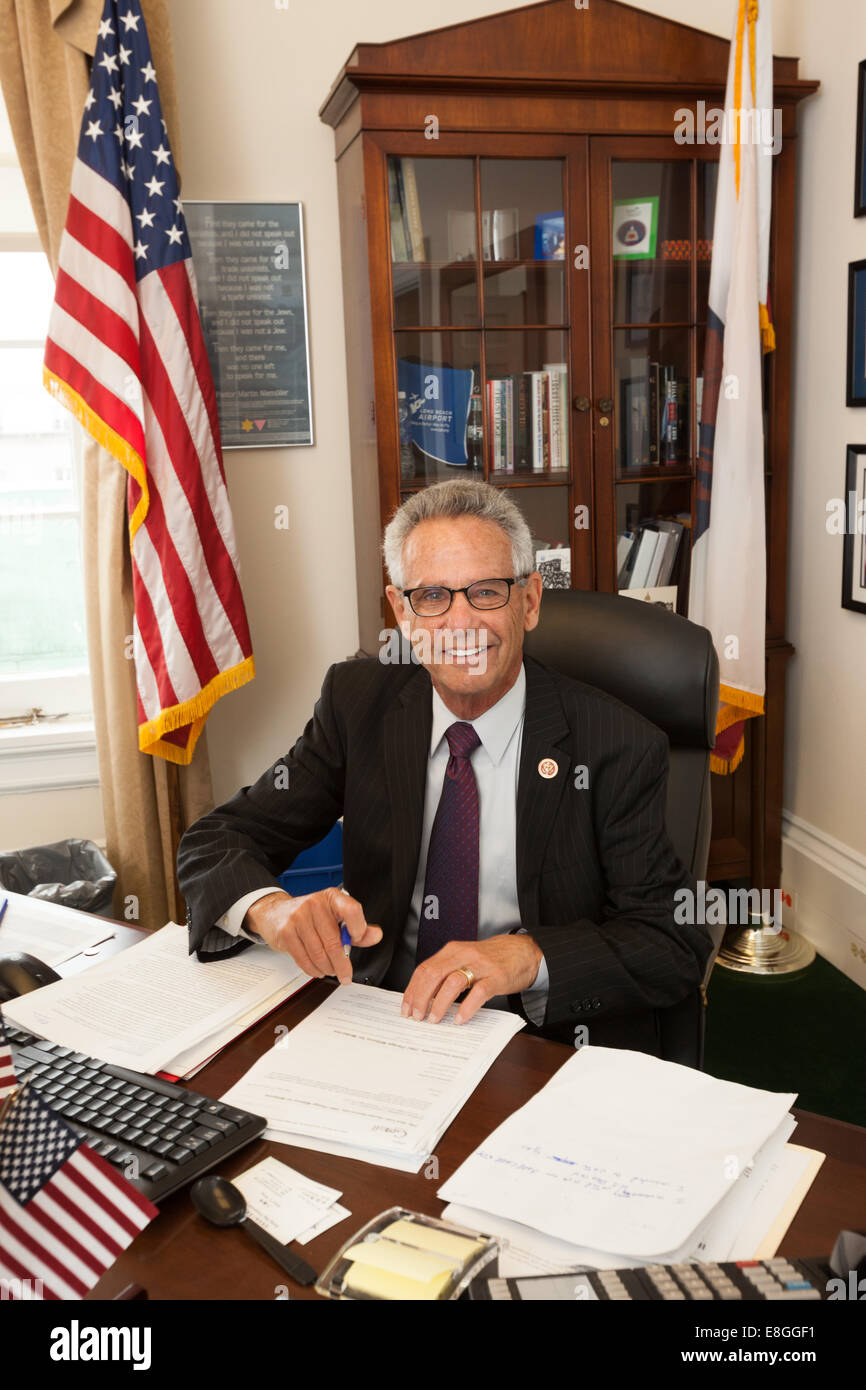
[[854, 552], [250, 268], [860, 170], [856, 385]]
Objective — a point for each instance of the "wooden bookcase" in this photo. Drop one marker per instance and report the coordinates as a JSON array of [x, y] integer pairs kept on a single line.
[[456, 149]]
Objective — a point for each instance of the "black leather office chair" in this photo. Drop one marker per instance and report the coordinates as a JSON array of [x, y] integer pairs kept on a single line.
[[667, 669]]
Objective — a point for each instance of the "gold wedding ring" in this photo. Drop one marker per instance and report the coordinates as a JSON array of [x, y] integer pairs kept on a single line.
[[470, 978]]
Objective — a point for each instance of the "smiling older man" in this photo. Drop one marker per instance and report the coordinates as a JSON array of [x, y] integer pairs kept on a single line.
[[503, 825]]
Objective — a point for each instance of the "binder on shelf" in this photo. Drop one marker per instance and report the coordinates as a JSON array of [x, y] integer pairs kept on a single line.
[[646, 557]]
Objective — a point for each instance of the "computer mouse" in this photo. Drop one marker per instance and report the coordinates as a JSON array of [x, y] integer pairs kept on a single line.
[[20, 973]]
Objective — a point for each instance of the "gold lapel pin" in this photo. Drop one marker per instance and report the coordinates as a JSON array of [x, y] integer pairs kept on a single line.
[[548, 768]]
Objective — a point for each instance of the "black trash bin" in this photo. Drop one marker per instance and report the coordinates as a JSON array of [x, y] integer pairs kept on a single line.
[[74, 873]]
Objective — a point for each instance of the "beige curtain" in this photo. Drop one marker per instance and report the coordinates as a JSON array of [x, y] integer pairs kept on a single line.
[[44, 76]]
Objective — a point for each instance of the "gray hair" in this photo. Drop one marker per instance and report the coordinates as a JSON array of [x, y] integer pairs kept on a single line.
[[458, 497]]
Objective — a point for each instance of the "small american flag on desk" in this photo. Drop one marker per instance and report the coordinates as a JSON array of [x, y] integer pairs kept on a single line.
[[125, 353], [65, 1214]]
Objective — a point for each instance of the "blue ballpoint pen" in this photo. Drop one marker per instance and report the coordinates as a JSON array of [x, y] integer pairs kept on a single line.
[[345, 938], [5, 904]]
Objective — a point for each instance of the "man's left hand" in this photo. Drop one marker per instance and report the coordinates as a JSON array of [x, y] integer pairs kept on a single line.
[[500, 965]]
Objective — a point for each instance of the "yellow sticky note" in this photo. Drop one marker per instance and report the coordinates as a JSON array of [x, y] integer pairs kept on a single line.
[[459, 1249], [383, 1283], [404, 1260]]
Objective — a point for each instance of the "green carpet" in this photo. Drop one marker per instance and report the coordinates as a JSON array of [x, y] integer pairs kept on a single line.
[[806, 1034]]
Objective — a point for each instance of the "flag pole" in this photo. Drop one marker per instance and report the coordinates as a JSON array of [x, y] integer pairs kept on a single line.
[[176, 824]]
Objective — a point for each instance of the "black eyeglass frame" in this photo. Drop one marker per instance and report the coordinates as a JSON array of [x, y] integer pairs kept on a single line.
[[518, 579]]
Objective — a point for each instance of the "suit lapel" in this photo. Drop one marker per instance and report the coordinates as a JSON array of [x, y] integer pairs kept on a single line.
[[408, 725], [538, 795]]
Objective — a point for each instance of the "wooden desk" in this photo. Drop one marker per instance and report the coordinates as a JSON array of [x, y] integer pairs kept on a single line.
[[180, 1256]]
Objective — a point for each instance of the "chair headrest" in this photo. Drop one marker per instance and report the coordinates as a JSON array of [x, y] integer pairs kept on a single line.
[[653, 660]]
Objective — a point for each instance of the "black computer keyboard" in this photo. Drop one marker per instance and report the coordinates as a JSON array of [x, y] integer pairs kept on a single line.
[[160, 1136]]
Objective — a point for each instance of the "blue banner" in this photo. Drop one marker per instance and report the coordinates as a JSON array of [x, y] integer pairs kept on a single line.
[[437, 401]]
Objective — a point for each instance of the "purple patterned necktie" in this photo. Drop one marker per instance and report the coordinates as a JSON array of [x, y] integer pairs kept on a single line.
[[449, 909]]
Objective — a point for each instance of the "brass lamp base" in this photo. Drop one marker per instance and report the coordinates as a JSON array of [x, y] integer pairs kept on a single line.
[[754, 950]]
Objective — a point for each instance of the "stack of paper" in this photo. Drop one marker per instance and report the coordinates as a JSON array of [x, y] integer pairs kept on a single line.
[[48, 931], [356, 1078], [155, 1007], [622, 1159], [286, 1204]]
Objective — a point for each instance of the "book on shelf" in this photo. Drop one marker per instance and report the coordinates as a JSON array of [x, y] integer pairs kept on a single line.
[[399, 239], [670, 434], [634, 430], [667, 419], [413, 208], [527, 415], [540, 421], [557, 373], [407, 233], [500, 408]]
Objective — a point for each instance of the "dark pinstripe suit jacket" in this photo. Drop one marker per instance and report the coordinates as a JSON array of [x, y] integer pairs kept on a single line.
[[596, 873]]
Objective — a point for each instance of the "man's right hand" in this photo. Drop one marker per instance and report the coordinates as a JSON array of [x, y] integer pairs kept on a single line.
[[308, 929]]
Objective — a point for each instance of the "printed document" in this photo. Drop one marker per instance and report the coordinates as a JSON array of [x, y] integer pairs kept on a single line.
[[356, 1073], [147, 1005]]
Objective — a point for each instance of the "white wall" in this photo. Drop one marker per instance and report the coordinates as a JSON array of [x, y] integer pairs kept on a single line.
[[40, 818], [824, 856]]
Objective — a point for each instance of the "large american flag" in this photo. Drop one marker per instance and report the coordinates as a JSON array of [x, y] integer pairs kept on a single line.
[[125, 354], [65, 1214]]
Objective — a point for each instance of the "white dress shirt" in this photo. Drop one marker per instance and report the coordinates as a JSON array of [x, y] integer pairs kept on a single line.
[[495, 763]]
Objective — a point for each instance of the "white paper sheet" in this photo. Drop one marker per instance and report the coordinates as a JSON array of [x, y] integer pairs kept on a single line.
[[333, 1216], [48, 931], [410, 1163], [779, 1199], [145, 1006], [188, 1063], [356, 1073], [623, 1152], [714, 1237], [525, 1251], [282, 1201]]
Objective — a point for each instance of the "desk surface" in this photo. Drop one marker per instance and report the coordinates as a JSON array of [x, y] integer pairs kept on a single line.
[[180, 1256]]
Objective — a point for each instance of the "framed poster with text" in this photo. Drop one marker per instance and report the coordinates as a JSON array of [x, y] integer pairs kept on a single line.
[[249, 266]]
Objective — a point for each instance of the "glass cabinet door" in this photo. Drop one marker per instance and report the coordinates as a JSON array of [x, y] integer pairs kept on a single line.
[[481, 333], [653, 223]]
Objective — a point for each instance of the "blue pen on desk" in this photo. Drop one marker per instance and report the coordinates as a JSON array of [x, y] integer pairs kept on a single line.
[[3, 908]]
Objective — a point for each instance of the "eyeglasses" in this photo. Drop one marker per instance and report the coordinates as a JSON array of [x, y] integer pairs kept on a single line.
[[432, 600]]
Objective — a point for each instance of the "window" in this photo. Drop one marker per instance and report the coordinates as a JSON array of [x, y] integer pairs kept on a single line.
[[43, 649]]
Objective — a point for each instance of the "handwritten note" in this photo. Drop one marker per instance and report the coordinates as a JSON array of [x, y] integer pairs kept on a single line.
[[619, 1152]]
